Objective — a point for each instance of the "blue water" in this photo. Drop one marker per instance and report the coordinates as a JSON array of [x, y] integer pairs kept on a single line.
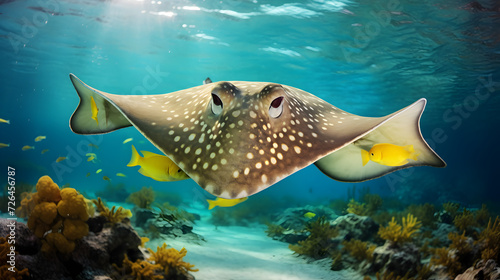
[[369, 59]]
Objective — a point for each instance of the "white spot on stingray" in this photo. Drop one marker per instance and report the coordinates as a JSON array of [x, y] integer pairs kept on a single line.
[[209, 188], [202, 138], [297, 149], [253, 114], [198, 151], [187, 150], [309, 145], [300, 134], [247, 170], [252, 136], [195, 166], [243, 193], [223, 161], [240, 122], [205, 165], [273, 160], [261, 152], [212, 155], [264, 178], [258, 165], [177, 138], [292, 138], [236, 174], [171, 132], [280, 156], [314, 135], [214, 167], [284, 147], [236, 113], [191, 136], [231, 151], [250, 156]]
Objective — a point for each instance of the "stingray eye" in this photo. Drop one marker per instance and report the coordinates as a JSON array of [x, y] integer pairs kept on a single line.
[[276, 107], [216, 104]]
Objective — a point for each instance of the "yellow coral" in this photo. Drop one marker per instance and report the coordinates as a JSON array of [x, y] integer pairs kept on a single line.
[[140, 269], [5, 273], [399, 234], [171, 260], [75, 229], [42, 218], [48, 190], [489, 240], [57, 241], [357, 208], [72, 205], [111, 215]]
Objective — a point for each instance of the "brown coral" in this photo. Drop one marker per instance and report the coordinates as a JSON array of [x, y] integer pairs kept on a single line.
[[399, 234], [114, 215]]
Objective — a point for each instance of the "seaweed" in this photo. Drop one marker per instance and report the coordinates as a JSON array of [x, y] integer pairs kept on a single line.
[[142, 198], [451, 208], [318, 244], [359, 250], [465, 221], [399, 234], [274, 230], [425, 213], [489, 241], [354, 207], [111, 215], [447, 258], [139, 270], [171, 261]]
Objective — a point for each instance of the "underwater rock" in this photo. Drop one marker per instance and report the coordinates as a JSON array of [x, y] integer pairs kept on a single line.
[[488, 270], [398, 259], [26, 242], [352, 226], [441, 233], [293, 218]]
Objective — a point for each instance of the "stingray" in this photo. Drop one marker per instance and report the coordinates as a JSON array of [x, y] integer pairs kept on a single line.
[[235, 139]]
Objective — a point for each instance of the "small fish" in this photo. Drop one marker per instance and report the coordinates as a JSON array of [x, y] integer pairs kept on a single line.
[[44, 151], [127, 140], [88, 174], [157, 167], [93, 146], [389, 154], [25, 148], [40, 138], [309, 215], [3, 145], [106, 178], [59, 159], [121, 175], [65, 186], [98, 171], [4, 121], [94, 109], [91, 157], [223, 202]]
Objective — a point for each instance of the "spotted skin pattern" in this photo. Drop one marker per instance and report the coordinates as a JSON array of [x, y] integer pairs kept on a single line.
[[232, 138]]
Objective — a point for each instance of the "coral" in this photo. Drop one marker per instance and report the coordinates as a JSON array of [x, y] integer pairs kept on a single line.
[[451, 208], [6, 270], [171, 261], [274, 230], [56, 216], [489, 241], [144, 240], [424, 213], [482, 215], [169, 213], [400, 234], [359, 250], [318, 244], [354, 207], [139, 270], [111, 215], [73, 205], [142, 198], [447, 258], [465, 221], [481, 270]]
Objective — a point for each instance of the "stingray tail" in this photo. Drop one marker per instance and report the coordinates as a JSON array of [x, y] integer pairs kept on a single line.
[[365, 157], [211, 204], [136, 158]]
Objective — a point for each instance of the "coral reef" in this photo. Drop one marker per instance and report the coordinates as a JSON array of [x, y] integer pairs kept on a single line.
[[401, 260], [138, 270], [114, 215], [358, 249], [482, 270], [319, 242], [352, 226], [58, 217], [489, 241], [142, 198], [400, 234], [171, 261], [465, 221]]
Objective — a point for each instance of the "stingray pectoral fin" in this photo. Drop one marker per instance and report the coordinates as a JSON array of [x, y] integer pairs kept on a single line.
[[108, 116], [400, 128]]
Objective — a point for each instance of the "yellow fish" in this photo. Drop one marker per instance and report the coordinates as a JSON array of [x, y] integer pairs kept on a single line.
[[106, 178], [121, 175], [127, 140], [40, 138], [222, 202], [94, 109], [309, 215], [4, 121], [91, 157], [157, 167], [44, 151], [25, 148], [389, 154], [98, 171], [3, 145], [59, 159], [93, 146]]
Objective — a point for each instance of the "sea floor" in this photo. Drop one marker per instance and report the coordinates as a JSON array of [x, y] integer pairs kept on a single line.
[[236, 252]]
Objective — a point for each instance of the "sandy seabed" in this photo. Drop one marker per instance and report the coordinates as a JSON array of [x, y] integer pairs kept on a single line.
[[247, 253]]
